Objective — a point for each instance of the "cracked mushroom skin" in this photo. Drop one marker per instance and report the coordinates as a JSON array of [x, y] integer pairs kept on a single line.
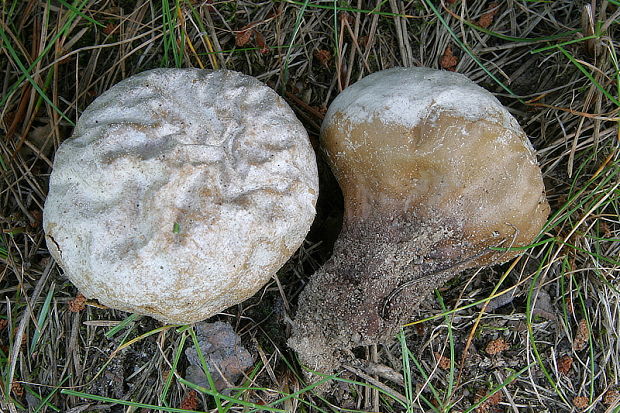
[[434, 172], [180, 193]]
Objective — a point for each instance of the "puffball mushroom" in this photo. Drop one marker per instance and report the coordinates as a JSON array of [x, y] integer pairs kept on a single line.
[[180, 193], [434, 172]]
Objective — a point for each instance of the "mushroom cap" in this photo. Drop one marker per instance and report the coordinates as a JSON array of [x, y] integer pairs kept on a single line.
[[434, 145], [180, 193]]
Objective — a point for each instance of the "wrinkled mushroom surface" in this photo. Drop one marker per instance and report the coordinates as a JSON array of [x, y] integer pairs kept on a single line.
[[434, 171], [180, 193]]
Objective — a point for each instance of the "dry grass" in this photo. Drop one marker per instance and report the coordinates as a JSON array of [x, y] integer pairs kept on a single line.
[[559, 314]]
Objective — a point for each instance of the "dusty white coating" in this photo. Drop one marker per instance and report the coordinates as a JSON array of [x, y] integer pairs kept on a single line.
[[406, 95], [180, 193]]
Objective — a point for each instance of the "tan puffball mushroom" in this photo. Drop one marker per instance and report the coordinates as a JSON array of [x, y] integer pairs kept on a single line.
[[180, 193], [434, 171]]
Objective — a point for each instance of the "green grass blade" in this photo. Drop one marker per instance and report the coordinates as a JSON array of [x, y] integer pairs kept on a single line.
[[555, 46], [175, 363], [205, 367], [246, 49], [467, 50], [357, 383], [298, 393], [296, 27], [334, 6], [218, 396], [4, 253], [42, 317], [238, 393], [121, 326], [52, 42], [9, 14], [26, 73], [69, 392], [406, 371], [285, 397], [521, 39], [45, 402], [165, 16], [408, 354], [170, 44], [589, 76], [608, 260], [79, 13], [576, 201]]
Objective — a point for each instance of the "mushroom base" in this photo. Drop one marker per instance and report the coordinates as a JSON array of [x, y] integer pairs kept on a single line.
[[379, 272]]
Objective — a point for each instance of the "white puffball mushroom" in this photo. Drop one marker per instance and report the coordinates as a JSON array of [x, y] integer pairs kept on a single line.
[[180, 193], [435, 174]]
